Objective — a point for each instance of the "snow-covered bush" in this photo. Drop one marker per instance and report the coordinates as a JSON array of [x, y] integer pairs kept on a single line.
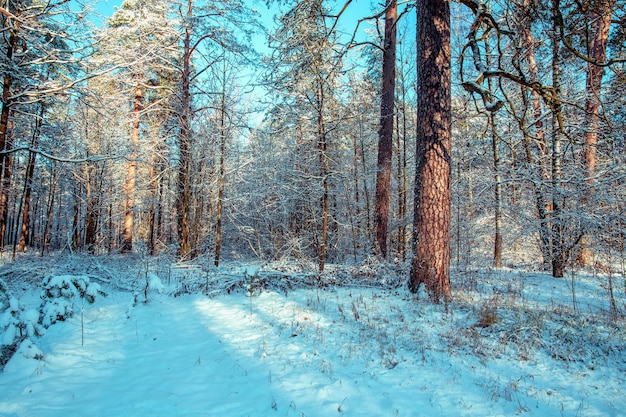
[[16, 324], [60, 294], [153, 283]]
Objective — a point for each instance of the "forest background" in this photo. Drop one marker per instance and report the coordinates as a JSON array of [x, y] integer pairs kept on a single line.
[[167, 130]]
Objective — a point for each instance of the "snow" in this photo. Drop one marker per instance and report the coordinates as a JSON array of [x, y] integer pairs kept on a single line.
[[344, 350], [9, 334], [155, 283]]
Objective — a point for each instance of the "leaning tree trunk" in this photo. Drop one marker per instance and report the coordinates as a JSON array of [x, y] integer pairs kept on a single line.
[[385, 132], [431, 224]]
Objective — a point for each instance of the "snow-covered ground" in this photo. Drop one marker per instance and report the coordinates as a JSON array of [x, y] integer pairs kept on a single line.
[[510, 343]]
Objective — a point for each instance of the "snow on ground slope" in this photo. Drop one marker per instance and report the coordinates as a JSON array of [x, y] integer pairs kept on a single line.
[[324, 352]]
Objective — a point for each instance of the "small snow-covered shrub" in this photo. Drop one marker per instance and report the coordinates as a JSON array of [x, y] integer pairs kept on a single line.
[[16, 324], [7, 326], [60, 294], [153, 283]]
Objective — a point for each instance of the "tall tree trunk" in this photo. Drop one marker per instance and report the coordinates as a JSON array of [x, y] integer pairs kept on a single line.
[[366, 192], [153, 183], [183, 201], [220, 191], [5, 142], [5, 186], [540, 204], [402, 179], [76, 231], [497, 194], [385, 132], [600, 12], [323, 154], [559, 252], [28, 184], [50, 211], [131, 173], [540, 161], [600, 17], [111, 221], [431, 224], [357, 228], [91, 220], [495, 147]]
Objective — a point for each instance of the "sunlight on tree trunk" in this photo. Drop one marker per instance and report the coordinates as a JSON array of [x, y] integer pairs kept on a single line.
[[385, 132], [600, 23], [431, 225], [131, 173]]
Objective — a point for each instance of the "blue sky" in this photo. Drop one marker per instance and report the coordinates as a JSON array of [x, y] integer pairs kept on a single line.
[[358, 9]]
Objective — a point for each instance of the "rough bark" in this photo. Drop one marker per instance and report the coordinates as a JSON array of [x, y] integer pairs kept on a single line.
[[600, 12], [431, 224], [385, 132], [600, 23]]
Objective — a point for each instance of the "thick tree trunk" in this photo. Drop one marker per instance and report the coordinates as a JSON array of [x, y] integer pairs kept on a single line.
[[600, 21], [431, 224], [385, 132], [600, 12], [131, 173]]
